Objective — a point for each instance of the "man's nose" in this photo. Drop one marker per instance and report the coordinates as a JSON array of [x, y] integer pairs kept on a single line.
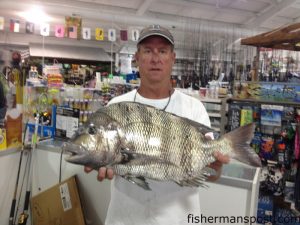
[[155, 57]]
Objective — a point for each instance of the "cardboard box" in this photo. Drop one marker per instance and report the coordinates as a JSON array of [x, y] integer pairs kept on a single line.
[[59, 204], [13, 131]]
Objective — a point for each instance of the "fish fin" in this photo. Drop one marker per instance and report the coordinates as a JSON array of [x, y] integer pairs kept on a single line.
[[209, 171], [140, 181], [203, 129], [199, 126], [240, 139], [197, 181]]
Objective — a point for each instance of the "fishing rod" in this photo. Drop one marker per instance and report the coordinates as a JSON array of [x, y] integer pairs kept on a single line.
[[14, 201], [24, 215]]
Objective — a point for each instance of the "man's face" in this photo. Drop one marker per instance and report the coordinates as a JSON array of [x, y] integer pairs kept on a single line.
[[155, 58]]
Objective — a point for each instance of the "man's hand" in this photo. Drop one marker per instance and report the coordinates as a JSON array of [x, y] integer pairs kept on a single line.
[[217, 165], [103, 173]]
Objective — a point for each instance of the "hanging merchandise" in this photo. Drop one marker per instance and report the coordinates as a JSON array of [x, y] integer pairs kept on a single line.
[[281, 149], [234, 116], [271, 115], [53, 75], [266, 150], [246, 116], [297, 188], [297, 137], [275, 140], [67, 122], [256, 141]]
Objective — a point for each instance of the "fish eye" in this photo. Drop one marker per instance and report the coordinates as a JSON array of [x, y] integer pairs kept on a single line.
[[92, 129]]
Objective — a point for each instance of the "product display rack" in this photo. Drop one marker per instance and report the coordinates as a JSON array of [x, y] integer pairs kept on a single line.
[[278, 176], [217, 112]]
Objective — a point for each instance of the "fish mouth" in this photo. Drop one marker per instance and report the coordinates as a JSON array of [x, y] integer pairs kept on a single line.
[[75, 152]]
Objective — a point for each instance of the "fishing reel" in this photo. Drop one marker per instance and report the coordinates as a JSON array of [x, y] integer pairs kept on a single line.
[[44, 118], [23, 219]]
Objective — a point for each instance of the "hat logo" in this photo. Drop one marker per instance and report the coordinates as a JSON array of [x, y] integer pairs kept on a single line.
[[155, 27]]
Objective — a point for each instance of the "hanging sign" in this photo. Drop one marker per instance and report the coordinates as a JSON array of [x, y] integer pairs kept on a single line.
[[59, 31], [29, 28], [45, 29], [99, 34], [112, 34], [86, 33], [72, 31], [1, 23], [135, 34], [73, 27], [123, 35], [14, 25]]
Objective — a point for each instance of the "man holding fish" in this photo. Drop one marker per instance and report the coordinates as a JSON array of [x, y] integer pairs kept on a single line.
[[163, 150]]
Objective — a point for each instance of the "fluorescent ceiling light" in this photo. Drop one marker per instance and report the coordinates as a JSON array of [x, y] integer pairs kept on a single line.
[[36, 15]]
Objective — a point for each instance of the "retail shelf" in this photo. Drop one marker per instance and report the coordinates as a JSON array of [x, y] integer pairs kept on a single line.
[[216, 128], [215, 107], [217, 110], [9, 151], [212, 100], [211, 114], [256, 101]]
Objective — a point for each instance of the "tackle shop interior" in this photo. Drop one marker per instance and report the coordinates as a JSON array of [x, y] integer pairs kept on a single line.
[[61, 61]]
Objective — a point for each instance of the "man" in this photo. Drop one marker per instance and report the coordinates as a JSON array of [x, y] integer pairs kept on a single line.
[[167, 203]]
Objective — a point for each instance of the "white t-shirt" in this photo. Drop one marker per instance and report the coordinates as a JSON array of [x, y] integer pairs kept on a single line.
[[167, 203]]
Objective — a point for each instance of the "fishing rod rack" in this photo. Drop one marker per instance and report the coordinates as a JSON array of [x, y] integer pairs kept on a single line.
[[283, 38]]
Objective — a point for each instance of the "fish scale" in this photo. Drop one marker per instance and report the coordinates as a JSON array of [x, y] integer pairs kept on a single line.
[[141, 142]]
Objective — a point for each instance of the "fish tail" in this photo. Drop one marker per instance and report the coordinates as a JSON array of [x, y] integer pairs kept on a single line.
[[240, 139]]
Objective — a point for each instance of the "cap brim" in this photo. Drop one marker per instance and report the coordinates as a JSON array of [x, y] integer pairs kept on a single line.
[[156, 34]]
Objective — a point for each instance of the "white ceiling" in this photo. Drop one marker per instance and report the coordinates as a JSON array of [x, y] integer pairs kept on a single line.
[[267, 14], [178, 15]]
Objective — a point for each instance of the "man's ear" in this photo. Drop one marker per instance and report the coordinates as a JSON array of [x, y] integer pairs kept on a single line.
[[136, 57], [174, 57]]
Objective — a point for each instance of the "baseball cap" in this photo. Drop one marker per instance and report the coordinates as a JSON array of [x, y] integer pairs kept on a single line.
[[156, 30]]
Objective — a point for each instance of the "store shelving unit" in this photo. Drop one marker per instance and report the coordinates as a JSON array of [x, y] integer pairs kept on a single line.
[[273, 160], [217, 112]]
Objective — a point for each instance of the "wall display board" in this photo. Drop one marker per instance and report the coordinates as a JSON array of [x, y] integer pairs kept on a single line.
[[276, 141]]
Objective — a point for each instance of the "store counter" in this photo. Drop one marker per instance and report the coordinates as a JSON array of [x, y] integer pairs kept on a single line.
[[234, 194]]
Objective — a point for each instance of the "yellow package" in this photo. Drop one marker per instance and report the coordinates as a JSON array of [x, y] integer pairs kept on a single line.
[[2, 139]]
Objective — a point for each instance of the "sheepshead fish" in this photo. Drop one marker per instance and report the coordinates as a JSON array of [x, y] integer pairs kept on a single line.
[[141, 142]]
